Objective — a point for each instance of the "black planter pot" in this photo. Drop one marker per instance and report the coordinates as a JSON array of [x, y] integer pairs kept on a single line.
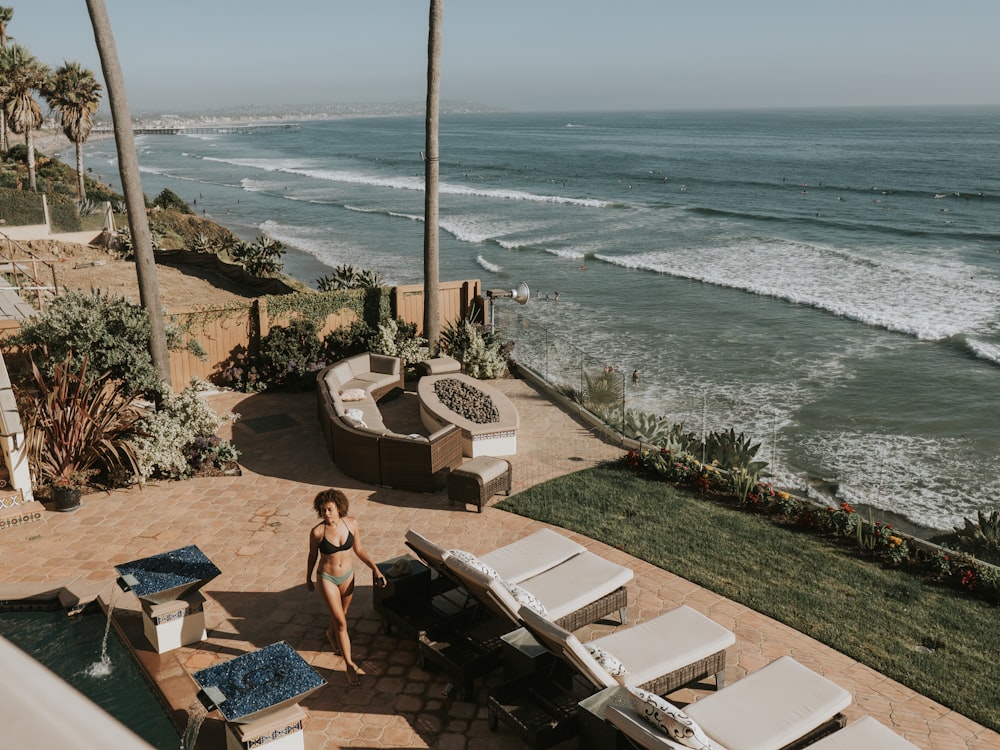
[[66, 498]]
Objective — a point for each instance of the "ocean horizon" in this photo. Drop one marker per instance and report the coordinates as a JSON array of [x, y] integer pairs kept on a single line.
[[826, 281]]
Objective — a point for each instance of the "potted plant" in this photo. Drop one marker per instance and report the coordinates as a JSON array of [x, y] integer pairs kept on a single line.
[[67, 488], [76, 427]]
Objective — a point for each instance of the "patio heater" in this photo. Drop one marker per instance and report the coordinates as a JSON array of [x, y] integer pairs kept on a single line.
[[520, 295]]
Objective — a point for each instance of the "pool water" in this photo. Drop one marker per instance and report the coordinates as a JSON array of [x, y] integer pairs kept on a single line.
[[71, 646]]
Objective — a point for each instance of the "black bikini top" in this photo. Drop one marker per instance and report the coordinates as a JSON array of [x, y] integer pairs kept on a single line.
[[328, 548]]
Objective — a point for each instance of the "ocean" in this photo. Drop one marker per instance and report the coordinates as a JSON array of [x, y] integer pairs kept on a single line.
[[826, 281]]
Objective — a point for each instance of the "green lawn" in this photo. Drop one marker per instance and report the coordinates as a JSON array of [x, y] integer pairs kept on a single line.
[[935, 640]]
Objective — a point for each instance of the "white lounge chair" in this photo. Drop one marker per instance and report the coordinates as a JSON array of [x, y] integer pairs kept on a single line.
[[864, 734], [660, 655], [580, 590], [576, 586], [783, 705]]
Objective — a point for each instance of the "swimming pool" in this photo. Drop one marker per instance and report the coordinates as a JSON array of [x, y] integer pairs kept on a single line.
[[70, 646]]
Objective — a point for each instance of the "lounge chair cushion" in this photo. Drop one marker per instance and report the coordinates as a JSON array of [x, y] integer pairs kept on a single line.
[[531, 555], [576, 583], [864, 734], [428, 551], [670, 720], [474, 562], [683, 636], [769, 708]]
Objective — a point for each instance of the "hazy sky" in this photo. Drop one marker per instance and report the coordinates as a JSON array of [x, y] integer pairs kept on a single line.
[[520, 55]]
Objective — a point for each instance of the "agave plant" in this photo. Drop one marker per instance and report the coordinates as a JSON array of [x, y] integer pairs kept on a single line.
[[646, 427], [603, 389], [348, 277], [77, 426], [983, 538]]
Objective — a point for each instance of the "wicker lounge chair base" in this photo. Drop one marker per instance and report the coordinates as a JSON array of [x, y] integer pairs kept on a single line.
[[537, 708], [463, 655]]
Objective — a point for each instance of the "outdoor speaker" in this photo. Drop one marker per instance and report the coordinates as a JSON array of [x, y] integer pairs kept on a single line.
[[521, 294]]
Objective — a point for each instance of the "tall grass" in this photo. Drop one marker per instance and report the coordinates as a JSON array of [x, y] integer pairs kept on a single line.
[[932, 639]]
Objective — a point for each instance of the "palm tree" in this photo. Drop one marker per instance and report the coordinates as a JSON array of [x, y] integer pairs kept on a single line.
[[6, 14], [432, 286], [23, 75], [128, 170], [76, 94]]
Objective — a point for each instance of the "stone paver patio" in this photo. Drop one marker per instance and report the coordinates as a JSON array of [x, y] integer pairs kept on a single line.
[[254, 527]]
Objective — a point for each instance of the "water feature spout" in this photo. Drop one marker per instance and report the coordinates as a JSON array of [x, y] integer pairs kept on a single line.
[[196, 717]]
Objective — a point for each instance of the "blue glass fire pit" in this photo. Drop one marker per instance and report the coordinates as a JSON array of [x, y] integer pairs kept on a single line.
[[167, 576], [247, 687]]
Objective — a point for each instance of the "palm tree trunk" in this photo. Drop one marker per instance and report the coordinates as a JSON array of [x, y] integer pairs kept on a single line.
[[29, 142], [81, 188], [432, 284], [135, 202]]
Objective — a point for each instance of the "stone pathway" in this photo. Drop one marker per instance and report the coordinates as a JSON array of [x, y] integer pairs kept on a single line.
[[254, 528]]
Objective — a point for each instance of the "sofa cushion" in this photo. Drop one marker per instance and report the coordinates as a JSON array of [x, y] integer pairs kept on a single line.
[[670, 720], [343, 375], [359, 364], [384, 364], [353, 394]]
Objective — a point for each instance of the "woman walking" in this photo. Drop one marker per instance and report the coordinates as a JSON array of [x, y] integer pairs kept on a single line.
[[335, 541]]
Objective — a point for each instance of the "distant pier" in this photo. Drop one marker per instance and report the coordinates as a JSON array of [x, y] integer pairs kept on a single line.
[[226, 129]]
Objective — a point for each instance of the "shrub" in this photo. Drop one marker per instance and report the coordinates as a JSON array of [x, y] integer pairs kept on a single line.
[[483, 353], [398, 338], [179, 438], [348, 341], [110, 332], [169, 200], [290, 355]]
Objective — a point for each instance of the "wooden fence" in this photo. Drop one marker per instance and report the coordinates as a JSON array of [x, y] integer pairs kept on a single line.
[[226, 332]]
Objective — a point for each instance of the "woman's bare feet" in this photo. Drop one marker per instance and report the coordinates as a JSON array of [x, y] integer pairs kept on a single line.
[[353, 672]]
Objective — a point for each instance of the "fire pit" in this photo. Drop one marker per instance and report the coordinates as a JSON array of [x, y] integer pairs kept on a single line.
[[257, 694], [167, 585], [486, 417]]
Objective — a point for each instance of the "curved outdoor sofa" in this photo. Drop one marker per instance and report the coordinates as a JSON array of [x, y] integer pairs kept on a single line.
[[360, 443]]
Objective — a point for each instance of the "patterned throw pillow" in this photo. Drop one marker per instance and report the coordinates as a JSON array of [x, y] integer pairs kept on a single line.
[[609, 661], [474, 562], [525, 598], [670, 720], [353, 394]]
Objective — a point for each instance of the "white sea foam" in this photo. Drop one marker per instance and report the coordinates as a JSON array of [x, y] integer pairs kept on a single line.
[[491, 267], [907, 475], [402, 182], [327, 248], [920, 299], [985, 350]]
